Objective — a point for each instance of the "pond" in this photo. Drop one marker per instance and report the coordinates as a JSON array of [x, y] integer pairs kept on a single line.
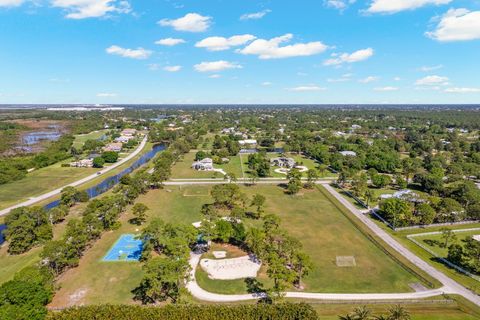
[[109, 182], [32, 138]]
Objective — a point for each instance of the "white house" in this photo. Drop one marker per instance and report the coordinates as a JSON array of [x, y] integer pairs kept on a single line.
[[348, 153], [248, 142], [283, 162], [203, 165]]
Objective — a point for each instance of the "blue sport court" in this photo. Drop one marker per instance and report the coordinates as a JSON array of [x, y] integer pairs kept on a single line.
[[127, 248]]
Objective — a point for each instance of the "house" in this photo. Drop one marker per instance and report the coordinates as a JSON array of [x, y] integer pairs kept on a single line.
[[248, 142], [348, 153], [203, 165], [84, 163], [124, 139], [128, 132], [283, 162], [228, 130], [116, 146]]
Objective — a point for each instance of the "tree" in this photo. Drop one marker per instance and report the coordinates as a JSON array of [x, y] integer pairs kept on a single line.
[[258, 201], [200, 155], [425, 213], [294, 181], [369, 196], [67, 196], [398, 313], [472, 251], [110, 156], [232, 177], [456, 254], [396, 211], [447, 236], [139, 212], [312, 176], [57, 214], [27, 227], [23, 300], [359, 185], [223, 230], [401, 182], [98, 162], [163, 280]]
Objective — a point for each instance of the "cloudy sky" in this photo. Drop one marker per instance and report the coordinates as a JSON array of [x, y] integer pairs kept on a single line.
[[231, 51]]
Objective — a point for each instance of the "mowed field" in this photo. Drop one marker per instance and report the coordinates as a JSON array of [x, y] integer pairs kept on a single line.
[[94, 135], [40, 181], [183, 168], [312, 218]]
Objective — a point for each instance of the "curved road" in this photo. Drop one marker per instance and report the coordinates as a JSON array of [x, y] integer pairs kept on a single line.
[[78, 182], [204, 295], [449, 286]]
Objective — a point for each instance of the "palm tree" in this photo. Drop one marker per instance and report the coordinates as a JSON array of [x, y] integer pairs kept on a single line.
[[347, 317], [398, 313], [362, 313]]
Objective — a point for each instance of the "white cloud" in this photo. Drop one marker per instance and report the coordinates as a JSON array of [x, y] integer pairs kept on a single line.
[[393, 6], [368, 79], [106, 95], [338, 4], [82, 9], [138, 53], [216, 66], [169, 42], [343, 78], [215, 76], [255, 15], [385, 89], [306, 88], [462, 90], [191, 22], [432, 81], [270, 49], [430, 68], [338, 59], [172, 68], [397, 79], [266, 83], [221, 43], [457, 25], [11, 3]]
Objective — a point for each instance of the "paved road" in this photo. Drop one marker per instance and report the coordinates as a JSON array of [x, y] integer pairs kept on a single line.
[[78, 182], [204, 295], [448, 285]]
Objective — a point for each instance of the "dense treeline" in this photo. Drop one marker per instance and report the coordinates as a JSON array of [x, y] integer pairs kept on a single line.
[[286, 311]]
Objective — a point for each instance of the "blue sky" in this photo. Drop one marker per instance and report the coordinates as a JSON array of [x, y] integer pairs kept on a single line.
[[226, 51]]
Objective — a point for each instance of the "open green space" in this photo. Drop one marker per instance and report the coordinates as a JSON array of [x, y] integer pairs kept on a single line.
[[324, 231], [183, 168], [94, 135], [433, 241], [401, 236], [40, 181]]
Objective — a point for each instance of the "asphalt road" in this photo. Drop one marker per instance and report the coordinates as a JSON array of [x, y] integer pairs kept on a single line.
[[55, 192]]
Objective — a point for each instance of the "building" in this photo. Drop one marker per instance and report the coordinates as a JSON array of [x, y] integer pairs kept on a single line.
[[84, 163], [248, 142], [283, 162], [348, 153], [203, 165], [123, 139], [116, 146], [128, 132]]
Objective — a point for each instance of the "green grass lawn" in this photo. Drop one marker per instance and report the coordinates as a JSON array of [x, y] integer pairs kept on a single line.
[[183, 168], [440, 250], [324, 231], [401, 236], [94, 135], [40, 181]]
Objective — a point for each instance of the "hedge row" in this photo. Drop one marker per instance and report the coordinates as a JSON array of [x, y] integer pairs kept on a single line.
[[287, 311]]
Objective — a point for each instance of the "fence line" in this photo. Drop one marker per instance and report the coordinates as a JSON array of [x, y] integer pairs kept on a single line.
[[450, 264]]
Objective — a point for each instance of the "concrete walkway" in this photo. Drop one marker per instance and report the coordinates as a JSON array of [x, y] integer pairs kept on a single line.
[[55, 192]]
